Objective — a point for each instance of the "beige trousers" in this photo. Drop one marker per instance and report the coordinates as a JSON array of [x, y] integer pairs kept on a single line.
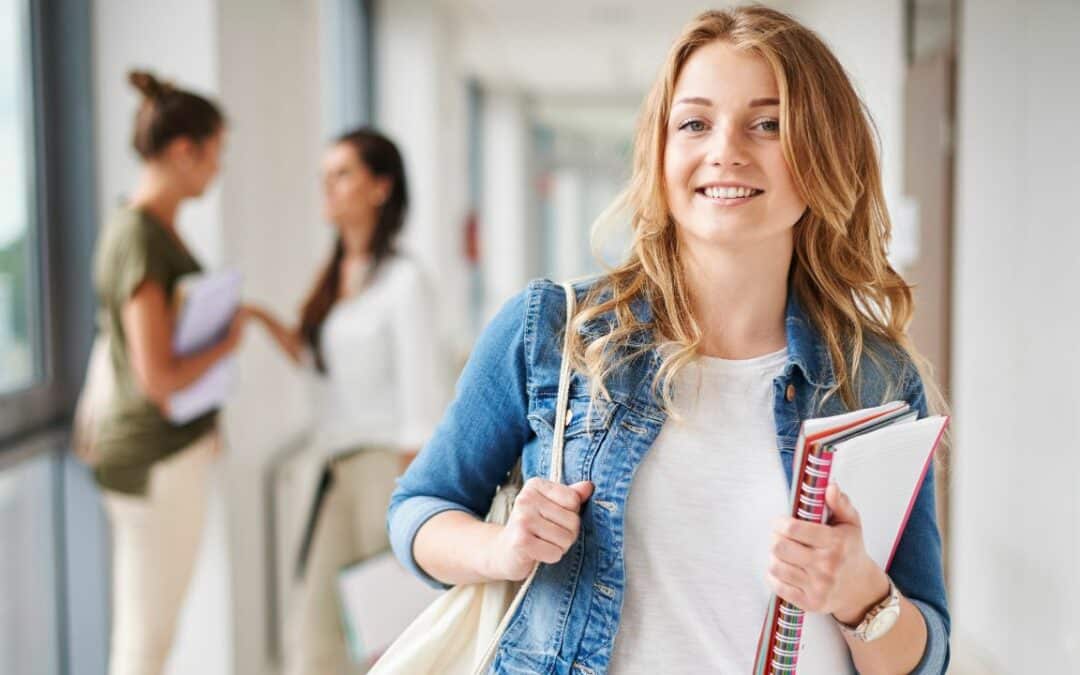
[[351, 526], [155, 542]]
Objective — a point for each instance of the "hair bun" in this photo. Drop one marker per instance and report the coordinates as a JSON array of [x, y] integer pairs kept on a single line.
[[148, 85]]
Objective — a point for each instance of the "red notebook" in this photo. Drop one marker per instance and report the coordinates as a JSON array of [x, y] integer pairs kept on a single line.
[[880, 457]]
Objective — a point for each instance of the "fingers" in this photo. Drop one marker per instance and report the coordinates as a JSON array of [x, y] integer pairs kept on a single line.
[[549, 531], [808, 534], [821, 560], [564, 518], [843, 511], [787, 591], [545, 522], [563, 495], [790, 575], [548, 518], [793, 552], [530, 538], [543, 551], [584, 490]]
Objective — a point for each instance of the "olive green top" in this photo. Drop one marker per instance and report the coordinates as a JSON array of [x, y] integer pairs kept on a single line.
[[133, 433]]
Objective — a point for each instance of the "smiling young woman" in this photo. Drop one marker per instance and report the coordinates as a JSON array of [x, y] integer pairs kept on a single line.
[[757, 294]]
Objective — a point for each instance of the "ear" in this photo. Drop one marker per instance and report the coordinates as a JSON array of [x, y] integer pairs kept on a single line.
[[384, 185], [181, 151]]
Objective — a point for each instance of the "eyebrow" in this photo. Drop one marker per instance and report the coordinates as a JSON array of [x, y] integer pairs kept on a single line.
[[754, 103]]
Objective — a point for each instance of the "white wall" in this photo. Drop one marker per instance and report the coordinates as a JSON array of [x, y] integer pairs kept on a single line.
[[868, 39], [505, 214], [273, 231], [176, 39], [1016, 514], [421, 106]]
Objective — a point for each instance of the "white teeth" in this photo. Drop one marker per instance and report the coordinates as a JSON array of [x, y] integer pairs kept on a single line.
[[715, 192]]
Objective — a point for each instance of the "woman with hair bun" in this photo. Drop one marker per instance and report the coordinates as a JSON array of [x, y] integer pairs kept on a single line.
[[153, 473]]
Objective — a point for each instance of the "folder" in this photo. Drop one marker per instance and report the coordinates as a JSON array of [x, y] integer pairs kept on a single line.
[[378, 599], [879, 457], [206, 304]]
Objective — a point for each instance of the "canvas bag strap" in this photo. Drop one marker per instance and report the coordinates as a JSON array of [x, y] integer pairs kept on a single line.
[[556, 473]]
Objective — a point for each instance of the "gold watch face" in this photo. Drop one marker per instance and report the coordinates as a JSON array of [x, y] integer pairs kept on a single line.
[[882, 622]]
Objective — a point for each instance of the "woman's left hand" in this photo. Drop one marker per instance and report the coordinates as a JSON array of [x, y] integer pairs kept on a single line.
[[825, 568]]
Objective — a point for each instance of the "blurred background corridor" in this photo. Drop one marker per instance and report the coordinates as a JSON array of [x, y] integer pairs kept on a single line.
[[516, 122]]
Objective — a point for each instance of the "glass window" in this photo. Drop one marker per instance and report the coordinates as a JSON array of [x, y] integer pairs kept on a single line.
[[20, 347]]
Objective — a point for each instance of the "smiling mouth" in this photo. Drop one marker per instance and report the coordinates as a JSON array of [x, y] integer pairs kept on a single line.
[[729, 195]]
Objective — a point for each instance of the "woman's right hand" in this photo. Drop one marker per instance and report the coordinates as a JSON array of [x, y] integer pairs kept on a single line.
[[543, 525], [288, 339], [236, 328]]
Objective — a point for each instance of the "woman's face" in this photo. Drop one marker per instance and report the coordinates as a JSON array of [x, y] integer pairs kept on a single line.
[[351, 192], [197, 162], [725, 176]]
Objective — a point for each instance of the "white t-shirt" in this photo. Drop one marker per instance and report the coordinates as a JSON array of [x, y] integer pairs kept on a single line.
[[386, 382], [698, 522]]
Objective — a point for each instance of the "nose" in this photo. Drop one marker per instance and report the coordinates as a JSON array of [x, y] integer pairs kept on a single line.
[[726, 146]]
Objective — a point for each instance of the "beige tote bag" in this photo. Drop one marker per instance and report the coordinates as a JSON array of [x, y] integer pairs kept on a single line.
[[459, 633]]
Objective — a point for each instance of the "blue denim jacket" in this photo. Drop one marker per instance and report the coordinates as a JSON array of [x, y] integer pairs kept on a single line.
[[504, 409]]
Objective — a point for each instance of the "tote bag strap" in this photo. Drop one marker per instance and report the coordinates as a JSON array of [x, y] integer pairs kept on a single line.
[[563, 402], [555, 475]]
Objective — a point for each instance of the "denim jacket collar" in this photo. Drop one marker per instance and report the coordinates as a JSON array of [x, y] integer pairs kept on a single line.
[[806, 349]]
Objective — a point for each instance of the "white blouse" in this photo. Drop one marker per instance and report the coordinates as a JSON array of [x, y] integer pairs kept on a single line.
[[386, 375]]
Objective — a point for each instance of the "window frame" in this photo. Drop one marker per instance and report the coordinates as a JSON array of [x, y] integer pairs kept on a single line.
[[59, 127], [23, 408]]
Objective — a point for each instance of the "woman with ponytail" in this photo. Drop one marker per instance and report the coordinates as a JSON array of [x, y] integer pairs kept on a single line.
[[367, 331], [153, 472]]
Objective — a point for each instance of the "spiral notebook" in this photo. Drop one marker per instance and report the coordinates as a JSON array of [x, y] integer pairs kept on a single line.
[[879, 456]]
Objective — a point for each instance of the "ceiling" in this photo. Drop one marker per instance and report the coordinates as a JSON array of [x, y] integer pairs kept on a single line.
[[594, 49]]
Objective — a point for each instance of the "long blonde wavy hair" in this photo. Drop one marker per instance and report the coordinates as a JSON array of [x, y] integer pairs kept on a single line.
[[839, 272]]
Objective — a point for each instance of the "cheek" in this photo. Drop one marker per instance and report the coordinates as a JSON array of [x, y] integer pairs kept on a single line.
[[333, 196], [785, 194], [205, 172], [345, 195], [677, 171], [359, 193]]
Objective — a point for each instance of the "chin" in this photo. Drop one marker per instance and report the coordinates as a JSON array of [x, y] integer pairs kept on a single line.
[[729, 233], [726, 232]]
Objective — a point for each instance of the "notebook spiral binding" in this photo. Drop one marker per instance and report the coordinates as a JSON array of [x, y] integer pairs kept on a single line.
[[811, 499]]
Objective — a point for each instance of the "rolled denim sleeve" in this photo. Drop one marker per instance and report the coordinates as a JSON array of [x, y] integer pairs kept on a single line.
[[916, 568], [935, 657], [477, 442]]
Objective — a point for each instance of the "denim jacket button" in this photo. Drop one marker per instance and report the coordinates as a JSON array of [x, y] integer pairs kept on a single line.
[[790, 392]]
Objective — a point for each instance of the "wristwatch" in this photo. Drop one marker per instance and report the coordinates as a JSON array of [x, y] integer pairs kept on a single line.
[[878, 621]]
